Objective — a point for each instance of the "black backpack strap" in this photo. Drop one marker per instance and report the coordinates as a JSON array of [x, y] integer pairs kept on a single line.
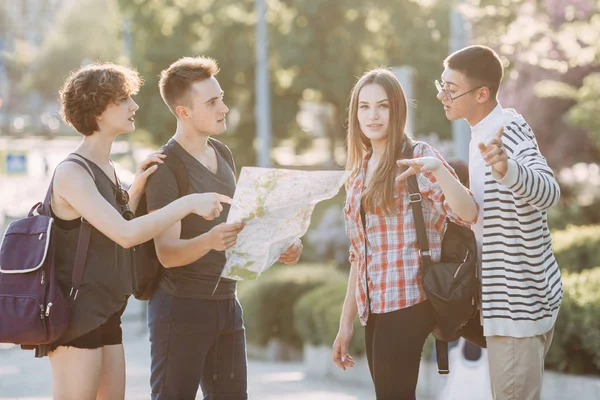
[[180, 172], [85, 229], [225, 152], [441, 352], [44, 207], [83, 242], [415, 198], [174, 162]]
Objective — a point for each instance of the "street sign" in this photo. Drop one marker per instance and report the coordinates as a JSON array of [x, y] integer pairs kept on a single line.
[[15, 163]]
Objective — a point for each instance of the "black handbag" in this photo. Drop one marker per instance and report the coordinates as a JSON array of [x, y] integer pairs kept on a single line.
[[452, 285]]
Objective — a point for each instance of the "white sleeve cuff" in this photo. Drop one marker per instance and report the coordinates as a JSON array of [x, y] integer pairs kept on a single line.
[[511, 176]]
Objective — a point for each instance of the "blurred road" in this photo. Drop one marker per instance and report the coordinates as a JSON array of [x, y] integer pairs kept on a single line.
[[23, 377]]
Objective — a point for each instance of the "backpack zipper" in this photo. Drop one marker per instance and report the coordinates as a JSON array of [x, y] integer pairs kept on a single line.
[[42, 315], [43, 280], [460, 266], [48, 309]]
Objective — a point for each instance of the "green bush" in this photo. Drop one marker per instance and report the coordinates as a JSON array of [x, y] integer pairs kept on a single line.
[[269, 302], [577, 248], [317, 315], [576, 344]]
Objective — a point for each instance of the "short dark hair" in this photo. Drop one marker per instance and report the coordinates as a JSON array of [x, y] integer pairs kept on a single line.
[[90, 89], [478, 63], [177, 80]]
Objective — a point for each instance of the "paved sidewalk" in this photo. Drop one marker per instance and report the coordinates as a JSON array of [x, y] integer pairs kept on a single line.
[[23, 377]]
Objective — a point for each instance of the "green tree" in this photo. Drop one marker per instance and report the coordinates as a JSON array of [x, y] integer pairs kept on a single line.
[[15, 57], [552, 50], [317, 48], [85, 31], [584, 112], [164, 31], [323, 45]]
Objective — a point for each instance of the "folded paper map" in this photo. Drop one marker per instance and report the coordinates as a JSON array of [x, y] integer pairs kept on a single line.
[[276, 205]]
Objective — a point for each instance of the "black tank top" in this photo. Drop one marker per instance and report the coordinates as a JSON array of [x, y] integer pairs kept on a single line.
[[106, 282]]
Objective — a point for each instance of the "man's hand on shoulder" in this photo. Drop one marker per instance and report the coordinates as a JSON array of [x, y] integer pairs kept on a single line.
[[292, 254]]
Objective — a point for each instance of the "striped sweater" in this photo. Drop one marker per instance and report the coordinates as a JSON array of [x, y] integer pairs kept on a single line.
[[521, 281]]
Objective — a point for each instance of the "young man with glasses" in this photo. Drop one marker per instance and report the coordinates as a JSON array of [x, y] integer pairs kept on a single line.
[[513, 185]]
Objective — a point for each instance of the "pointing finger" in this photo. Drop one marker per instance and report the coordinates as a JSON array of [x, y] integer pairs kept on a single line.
[[411, 162], [224, 199], [500, 132]]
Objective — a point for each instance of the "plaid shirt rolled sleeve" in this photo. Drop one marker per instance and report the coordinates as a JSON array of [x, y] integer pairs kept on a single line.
[[385, 248]]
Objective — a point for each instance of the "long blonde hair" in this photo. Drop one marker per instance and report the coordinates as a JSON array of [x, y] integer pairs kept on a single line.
[[381, 189]]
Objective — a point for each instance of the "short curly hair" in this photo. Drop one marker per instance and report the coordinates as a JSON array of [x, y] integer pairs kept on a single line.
[[90, 89]]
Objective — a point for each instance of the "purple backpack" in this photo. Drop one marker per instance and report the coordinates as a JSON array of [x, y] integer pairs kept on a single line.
[[33, 308]]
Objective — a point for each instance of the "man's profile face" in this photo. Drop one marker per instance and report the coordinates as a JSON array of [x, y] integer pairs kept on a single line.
[[208, 111], [459, 95]]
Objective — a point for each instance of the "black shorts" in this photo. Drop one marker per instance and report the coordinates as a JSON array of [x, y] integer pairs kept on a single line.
[[106, 334]]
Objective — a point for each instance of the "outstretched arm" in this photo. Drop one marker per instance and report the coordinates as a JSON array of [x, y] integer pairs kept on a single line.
[[74, 186], [459, 199]]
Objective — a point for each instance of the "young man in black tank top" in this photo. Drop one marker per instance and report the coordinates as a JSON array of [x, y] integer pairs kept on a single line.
[[196, 332]]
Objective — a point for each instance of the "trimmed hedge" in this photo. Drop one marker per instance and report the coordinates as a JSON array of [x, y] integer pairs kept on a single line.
[[269, 302], [303, 303], [317, 315], [577, 248], [576, 344]]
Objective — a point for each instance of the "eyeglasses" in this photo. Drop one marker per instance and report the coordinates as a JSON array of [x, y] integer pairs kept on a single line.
[[440, 88], [122, 198]]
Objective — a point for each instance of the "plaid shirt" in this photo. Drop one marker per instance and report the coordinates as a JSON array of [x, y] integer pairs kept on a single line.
[[388, 259]]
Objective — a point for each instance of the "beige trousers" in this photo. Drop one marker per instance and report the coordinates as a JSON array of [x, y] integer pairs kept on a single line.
[[517, 366]]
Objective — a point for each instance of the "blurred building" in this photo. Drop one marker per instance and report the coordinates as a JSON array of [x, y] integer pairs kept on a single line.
[[29, 20], [23, 23]]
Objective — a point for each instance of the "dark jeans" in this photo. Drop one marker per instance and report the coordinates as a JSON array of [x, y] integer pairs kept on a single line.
[[196, 343], [394, 342]]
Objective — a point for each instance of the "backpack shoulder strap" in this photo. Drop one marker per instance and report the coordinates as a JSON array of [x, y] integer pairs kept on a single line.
[[415, 200], [178, 168], [44, 207], [85, 230], [225, 152]]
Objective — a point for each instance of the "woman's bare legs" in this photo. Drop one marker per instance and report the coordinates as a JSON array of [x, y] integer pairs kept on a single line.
[[88, 374]]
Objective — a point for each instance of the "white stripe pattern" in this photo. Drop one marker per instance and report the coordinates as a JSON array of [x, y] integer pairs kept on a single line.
[[521, 281]]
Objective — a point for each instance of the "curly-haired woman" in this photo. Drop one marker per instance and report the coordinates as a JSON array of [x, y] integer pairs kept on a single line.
[[88, 361]]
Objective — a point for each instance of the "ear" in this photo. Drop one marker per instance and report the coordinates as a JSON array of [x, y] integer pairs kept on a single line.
[[182, 112], [484, 94]]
